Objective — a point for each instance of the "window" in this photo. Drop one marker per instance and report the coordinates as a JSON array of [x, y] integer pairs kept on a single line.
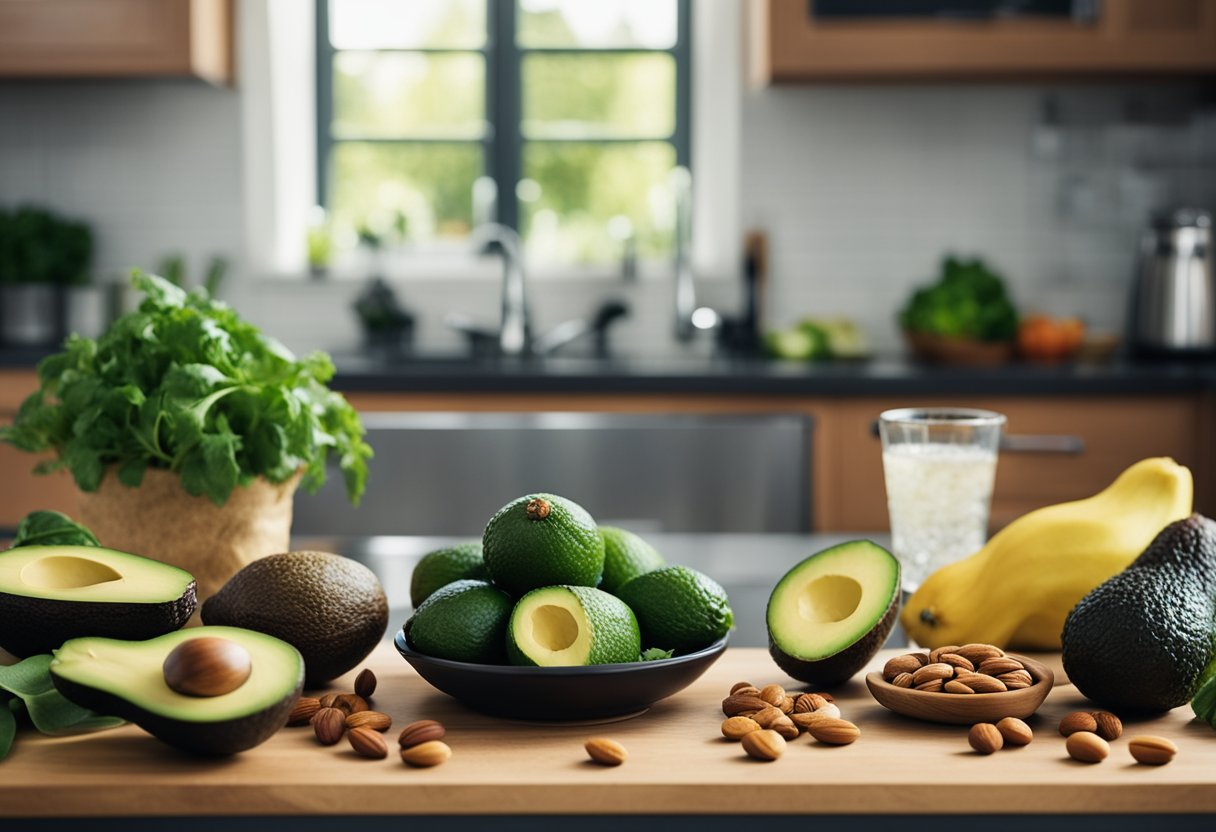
[[562, 118]]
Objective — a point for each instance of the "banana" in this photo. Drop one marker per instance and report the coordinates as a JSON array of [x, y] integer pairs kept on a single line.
[[1018, 589]]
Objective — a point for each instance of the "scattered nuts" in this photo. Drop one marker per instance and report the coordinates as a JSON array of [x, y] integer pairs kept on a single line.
[[935, 656], [327, 701], [352, 703], [764, 745], [907, 663], [985, 738], [426, 754], [982, 683], [955, 686], [1110, 727], [329, 724], [1151, 751], [421, 731], [606, 752], [1015, 731], [998, 665], [786, 728], [365, 683], [833, 731], [369, 719], [736, 727], [787, 705], [1078, 721], [977, 653], [767, 716], [957, 661], [736, 705], [932, 686], [903, 680], [1086, 747], [936, 670], [772, 694], [739, 686], [304, 710], [810, 702], [367, 743]]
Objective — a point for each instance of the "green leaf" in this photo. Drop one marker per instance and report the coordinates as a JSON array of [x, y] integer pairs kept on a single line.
[[1204, 703], [28, 677], [51, 528], [30, 681], [654, 654], [8, 730]]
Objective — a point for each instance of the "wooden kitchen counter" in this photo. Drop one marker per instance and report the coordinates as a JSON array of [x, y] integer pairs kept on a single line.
[[678, 764]]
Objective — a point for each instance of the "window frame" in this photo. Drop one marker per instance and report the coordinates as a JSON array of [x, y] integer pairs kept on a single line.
[[502, 149]]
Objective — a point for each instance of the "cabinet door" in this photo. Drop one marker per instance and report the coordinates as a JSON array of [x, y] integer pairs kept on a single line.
[[116, 38], [1062, 449], [1129, 36]]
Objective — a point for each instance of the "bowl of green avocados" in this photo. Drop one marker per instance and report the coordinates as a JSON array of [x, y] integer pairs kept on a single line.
[[551, 617]]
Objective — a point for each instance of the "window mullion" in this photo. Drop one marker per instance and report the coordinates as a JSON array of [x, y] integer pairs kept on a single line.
[[325, 100], [503, 103]]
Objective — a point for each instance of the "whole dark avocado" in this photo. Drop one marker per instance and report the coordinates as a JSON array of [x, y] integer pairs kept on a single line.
[[1141, 641], [330, 608]]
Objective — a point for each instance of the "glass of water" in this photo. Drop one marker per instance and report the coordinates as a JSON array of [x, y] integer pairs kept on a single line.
[[939, 464]]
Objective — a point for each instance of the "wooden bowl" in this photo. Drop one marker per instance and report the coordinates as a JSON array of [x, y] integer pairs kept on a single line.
[[963, 708], [958, 352]]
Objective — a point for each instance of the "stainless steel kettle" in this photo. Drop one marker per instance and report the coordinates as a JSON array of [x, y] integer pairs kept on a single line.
[[1173, 307]]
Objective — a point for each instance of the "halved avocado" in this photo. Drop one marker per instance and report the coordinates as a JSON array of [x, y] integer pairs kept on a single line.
[[831, 613], [572, 626], [49, 594], [126, 679]]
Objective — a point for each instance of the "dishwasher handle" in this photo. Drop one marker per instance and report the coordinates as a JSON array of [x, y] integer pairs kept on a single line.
[[1030, 443]]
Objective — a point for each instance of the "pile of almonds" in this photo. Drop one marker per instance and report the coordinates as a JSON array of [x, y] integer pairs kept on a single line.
[[1089, 734], [335, 715], [762, 719], [969, 668]]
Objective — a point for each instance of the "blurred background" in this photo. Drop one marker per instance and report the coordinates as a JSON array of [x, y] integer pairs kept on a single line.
[[668, 258]]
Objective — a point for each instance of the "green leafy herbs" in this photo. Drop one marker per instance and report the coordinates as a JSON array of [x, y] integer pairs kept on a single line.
[[969, 301], [184, 384], [654, 654], [1204, 703], [26, 688], [51, 528]]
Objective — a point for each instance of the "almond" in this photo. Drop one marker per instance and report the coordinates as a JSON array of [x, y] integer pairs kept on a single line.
[[765, 717], [900, 664], [921, 658], [1015, 731], [985, 738], [833, 731], [806, 720], [764, 745], [998, 665], [1151, 751], [1078, 721], [735, 705], [367, 743], [785, 727], [736, 727], [977, 653], [1086, 747], [935, 655], [304, 710], [329, 724], [1017, 679], [369, 719], [981, 683], [424, 730], [787, 705], [365, 683], [426, 754], [937, 670], [829, 709], [738, 686], [956, 661], [932, 686], [1110, 727], [955, 686], [606, 752], [327, 701], [903, 680], [773, 694], [352, 703], [810, 702]]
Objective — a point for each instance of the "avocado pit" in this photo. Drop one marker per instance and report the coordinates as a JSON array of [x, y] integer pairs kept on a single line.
[[207, 666]]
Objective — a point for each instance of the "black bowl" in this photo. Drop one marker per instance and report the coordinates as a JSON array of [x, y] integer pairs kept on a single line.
[[561, 694]]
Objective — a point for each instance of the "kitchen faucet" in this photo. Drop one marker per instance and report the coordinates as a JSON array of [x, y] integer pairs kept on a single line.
[[689, 317]]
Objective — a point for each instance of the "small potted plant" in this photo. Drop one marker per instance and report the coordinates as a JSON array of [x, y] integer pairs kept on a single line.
[[188, 431], [41, 255]]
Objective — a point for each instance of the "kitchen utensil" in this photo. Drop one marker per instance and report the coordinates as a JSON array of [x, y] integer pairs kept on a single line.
[[562, 694], [1174, 296], [963, 708]]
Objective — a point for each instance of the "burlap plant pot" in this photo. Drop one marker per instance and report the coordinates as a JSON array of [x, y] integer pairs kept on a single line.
[[160, 520]]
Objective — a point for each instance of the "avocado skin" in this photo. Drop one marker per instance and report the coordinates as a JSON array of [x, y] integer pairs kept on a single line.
[[212, 738], [1141, 641], [30, 626], [840, 667]]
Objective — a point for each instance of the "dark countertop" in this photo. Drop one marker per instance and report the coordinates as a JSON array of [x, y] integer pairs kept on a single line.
[[884, 376]]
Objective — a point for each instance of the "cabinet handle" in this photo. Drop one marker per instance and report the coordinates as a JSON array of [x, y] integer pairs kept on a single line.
[[1042, 443]]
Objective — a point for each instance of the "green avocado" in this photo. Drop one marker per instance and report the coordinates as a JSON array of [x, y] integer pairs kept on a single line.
[[572, 626], [542, 540], [443, 566], [678, 608], [833, 611], [465, 621], [625, 557], [1142, 640], [126, 679], [49, 594]]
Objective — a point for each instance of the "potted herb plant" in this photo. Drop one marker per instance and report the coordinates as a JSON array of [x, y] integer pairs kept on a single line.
[[188, 431], [40, 256]]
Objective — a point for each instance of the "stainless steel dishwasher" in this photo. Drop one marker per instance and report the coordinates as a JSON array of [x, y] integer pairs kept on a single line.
[[446, 473]]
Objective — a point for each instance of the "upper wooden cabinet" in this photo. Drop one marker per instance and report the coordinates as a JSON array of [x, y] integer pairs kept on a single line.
[[116, 39], [1128, 37]]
